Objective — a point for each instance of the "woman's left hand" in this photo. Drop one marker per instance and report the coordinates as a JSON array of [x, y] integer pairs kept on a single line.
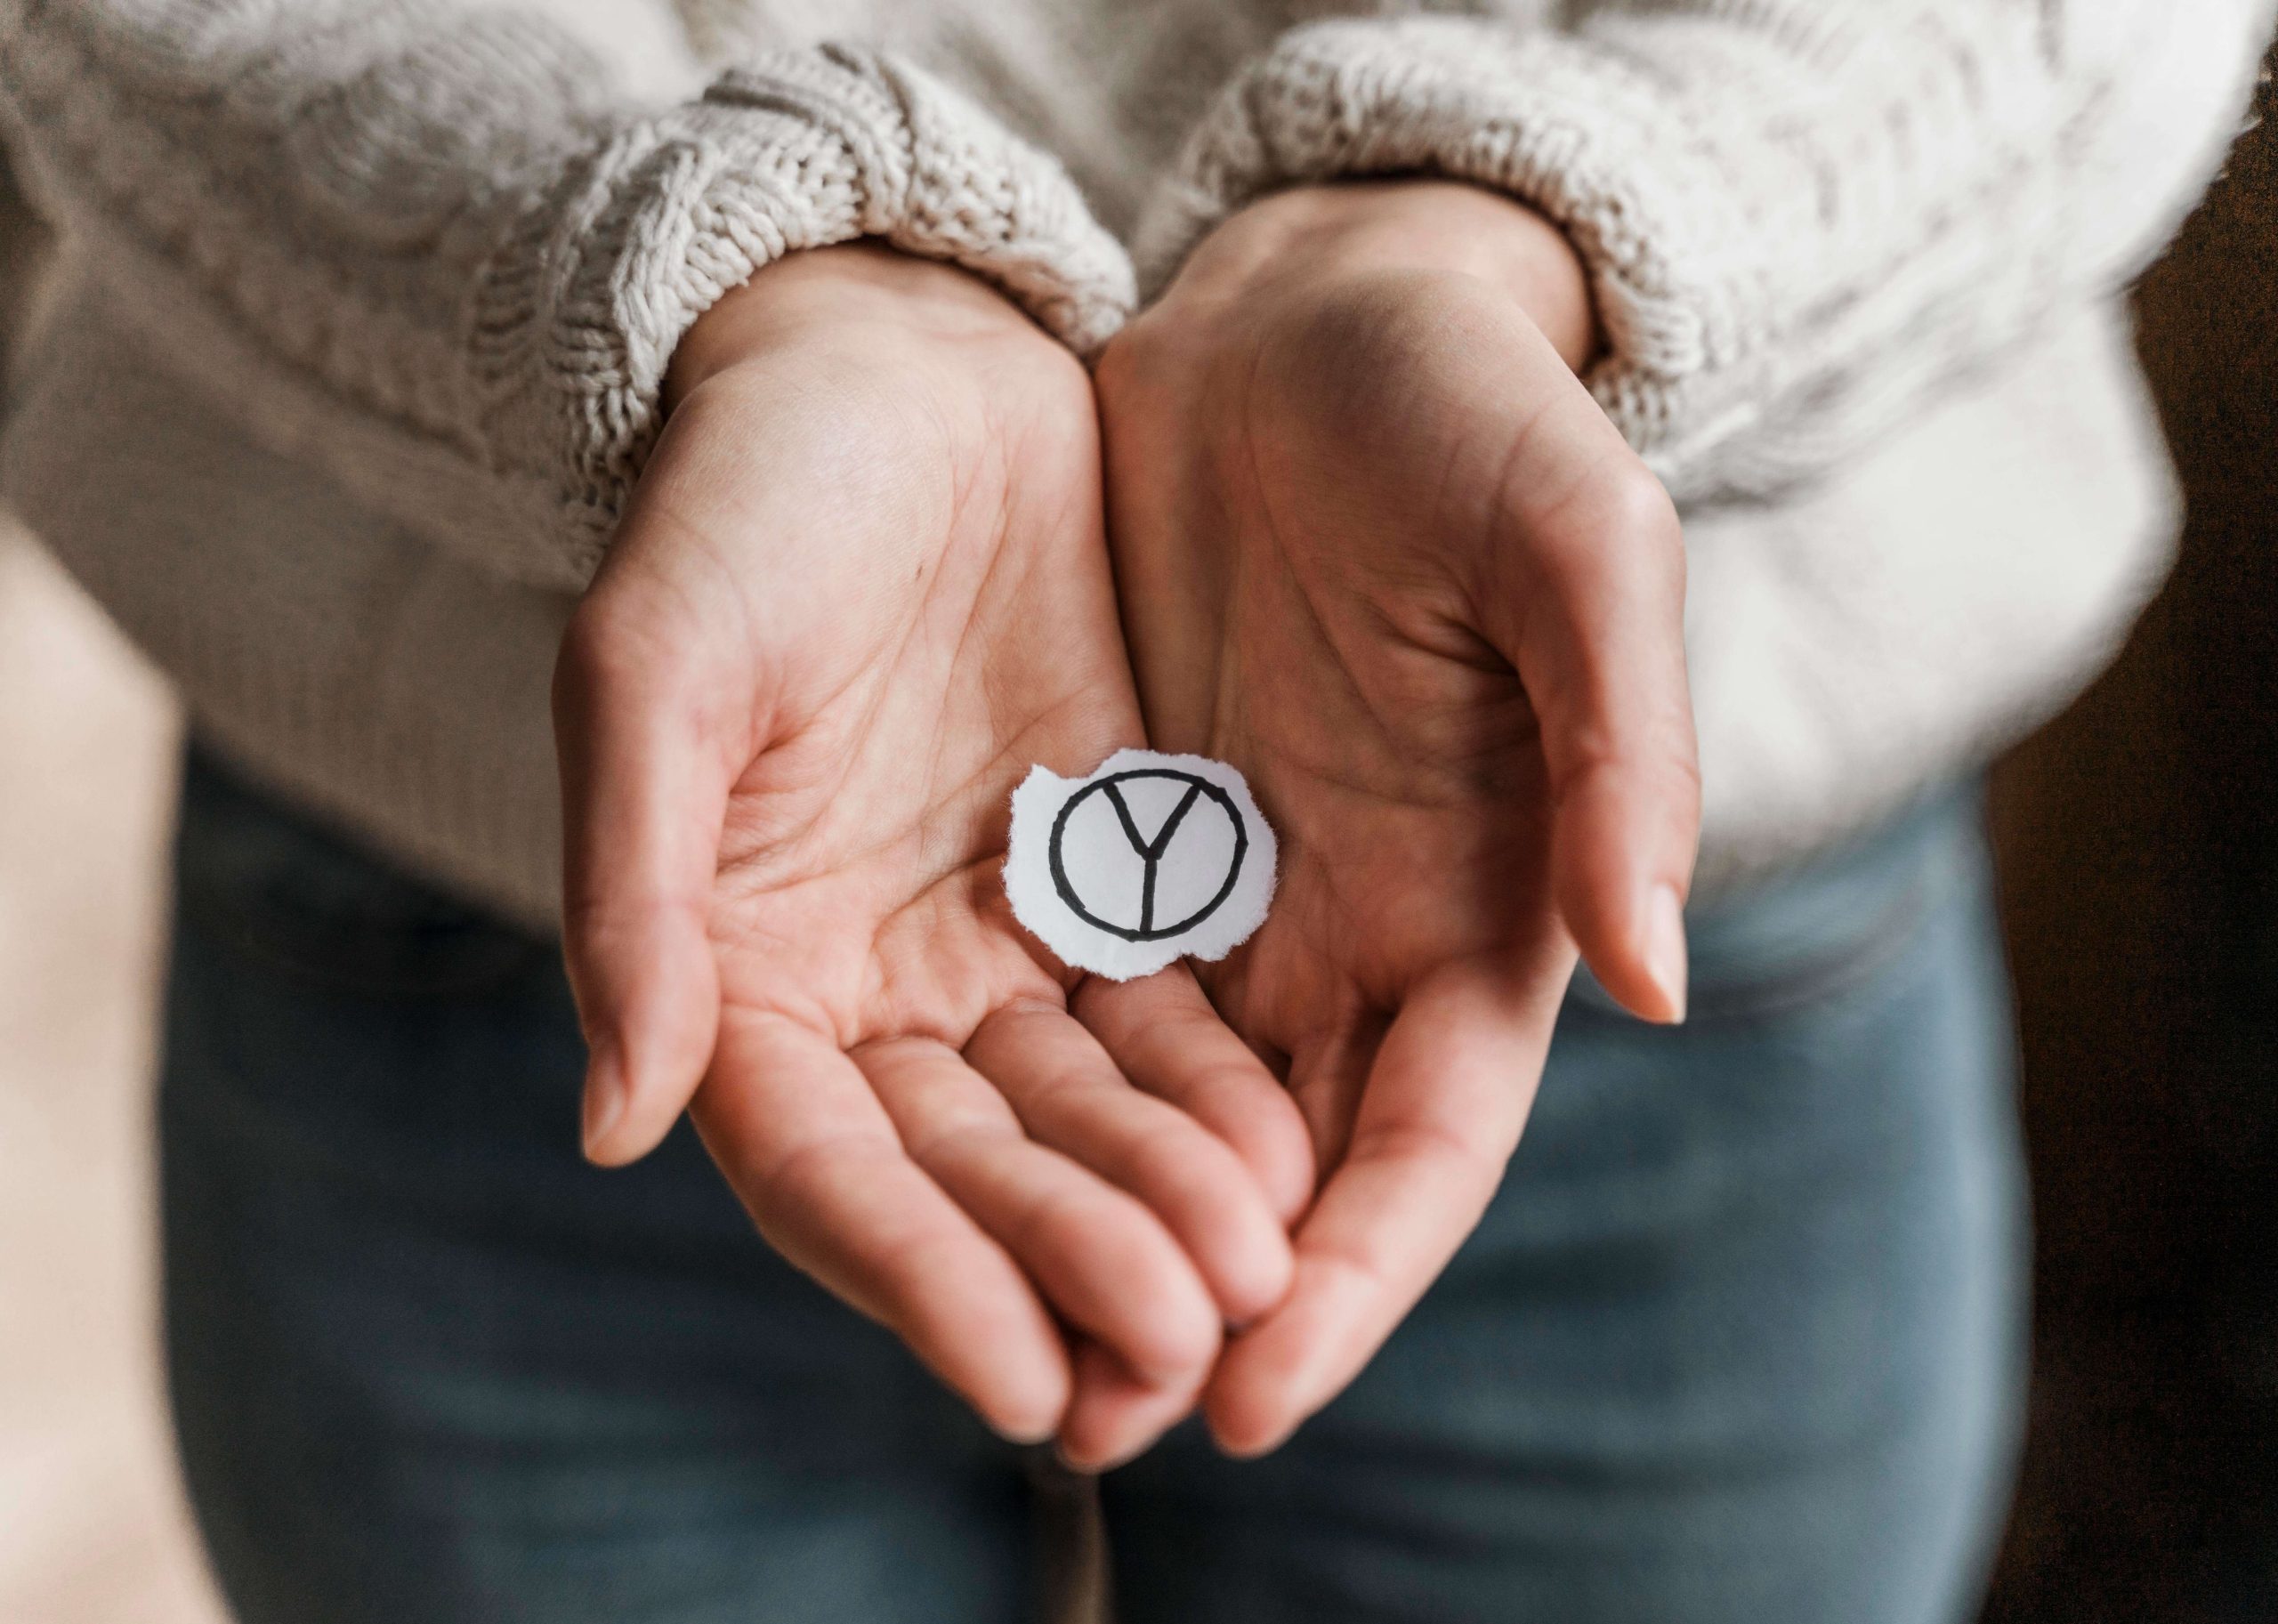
[[1378, 547]]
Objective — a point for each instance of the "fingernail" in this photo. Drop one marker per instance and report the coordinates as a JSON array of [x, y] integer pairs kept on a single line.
[[605, 1104], [1026, 1437], [1253, 1449], [1665, 950], [1100, 1464]]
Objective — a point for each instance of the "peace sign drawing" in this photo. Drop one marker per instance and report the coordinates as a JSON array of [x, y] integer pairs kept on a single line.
[[1217, 841], [1149, 858]]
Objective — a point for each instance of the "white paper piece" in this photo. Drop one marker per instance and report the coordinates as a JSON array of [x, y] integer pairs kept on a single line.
[[1150, 857]]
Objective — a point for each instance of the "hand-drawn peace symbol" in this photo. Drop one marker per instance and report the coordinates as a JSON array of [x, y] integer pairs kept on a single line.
[[1149, 852]]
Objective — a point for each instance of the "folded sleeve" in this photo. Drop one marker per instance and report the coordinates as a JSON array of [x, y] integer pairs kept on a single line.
[[433, 251], [1799, 217]]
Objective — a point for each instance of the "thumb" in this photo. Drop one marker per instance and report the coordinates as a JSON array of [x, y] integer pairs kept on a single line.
[[643, 796], [1588, 605]]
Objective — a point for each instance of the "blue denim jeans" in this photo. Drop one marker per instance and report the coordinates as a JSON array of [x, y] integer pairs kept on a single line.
[[1740, 1340]]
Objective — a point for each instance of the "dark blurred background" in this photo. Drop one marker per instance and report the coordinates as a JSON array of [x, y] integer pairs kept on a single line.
[[2138, 836]]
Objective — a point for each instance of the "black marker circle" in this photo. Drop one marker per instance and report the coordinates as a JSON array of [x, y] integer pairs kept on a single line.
[[1233, 869]]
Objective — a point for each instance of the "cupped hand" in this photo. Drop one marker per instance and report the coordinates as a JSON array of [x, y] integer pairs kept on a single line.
[[861, 587], [1378, 546]]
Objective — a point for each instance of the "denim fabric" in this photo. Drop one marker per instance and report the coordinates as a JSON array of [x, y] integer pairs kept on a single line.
[[1739, 1341]]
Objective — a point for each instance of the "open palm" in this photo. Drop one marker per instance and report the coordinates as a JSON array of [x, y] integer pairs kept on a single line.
[[863, 588], [1378, 547]]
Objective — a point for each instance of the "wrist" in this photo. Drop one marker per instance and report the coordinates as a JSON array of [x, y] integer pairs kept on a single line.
[[1309, 232], [864, 287]]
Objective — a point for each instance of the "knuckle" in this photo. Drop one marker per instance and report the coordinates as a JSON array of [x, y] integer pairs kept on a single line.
[[961, 1137], [1638, 504], [1183, 1335], [1681, 775], [1169, 1151], [1383, 313], [1620, 502], [802, 1177], [1059, 1216], [580, 665], [1464, 1168], [605, 650], [604, 927], [1377, 335], [1199, 1206], [1615, 541], [1164, 1316], [1194, 1183]]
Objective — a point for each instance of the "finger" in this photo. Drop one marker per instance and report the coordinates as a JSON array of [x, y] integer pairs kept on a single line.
[[794, 1124], [1069, 1095], [1328, 1070], [1097, 1256], [1114, 1417], [1163, 1034], [1448, 1092], [643, 793], [1587, 603]]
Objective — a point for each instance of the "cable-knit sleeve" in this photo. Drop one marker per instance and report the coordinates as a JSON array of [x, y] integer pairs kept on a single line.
[[1799, 216], [430, 249]]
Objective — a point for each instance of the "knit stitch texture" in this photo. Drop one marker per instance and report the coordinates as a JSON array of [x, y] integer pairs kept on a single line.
[[435, 254], [364, 307]]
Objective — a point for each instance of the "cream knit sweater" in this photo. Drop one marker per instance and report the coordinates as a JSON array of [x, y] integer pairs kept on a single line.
[[353, 351]]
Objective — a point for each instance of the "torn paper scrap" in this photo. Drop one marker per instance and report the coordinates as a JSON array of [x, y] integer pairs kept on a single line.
[[1150, 857]]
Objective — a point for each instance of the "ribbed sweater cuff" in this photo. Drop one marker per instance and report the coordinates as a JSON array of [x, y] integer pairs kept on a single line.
[[796, 150], [1576, 131]]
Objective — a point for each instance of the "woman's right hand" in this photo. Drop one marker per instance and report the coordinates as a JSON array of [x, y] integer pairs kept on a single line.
[[862, 587]]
